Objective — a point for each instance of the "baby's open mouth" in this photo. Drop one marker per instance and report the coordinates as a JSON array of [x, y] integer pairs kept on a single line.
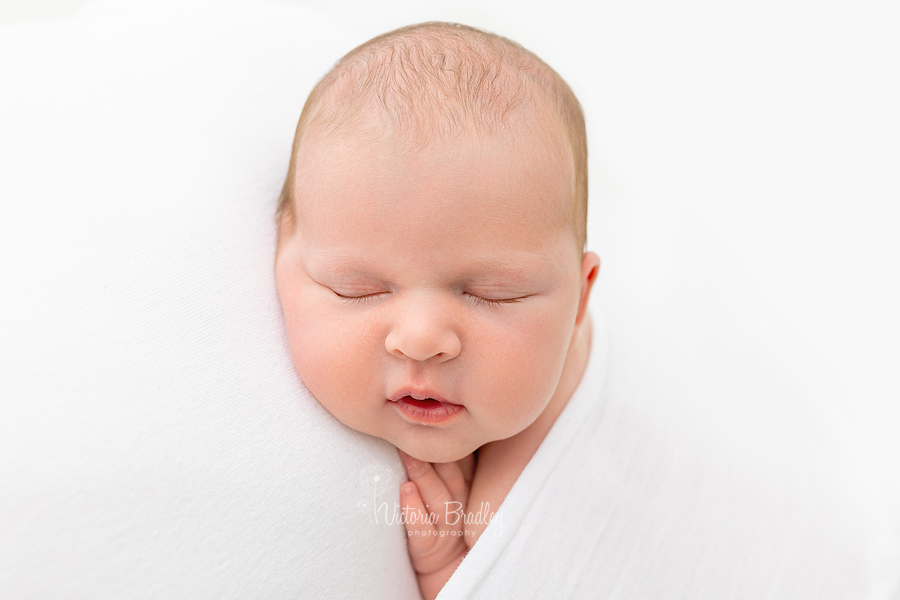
[[425, 403], [426, 410]]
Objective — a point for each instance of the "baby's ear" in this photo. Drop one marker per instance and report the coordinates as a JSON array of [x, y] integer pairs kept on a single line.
[[590, 268]]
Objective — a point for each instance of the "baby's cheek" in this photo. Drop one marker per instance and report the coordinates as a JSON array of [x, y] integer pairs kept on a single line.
[[338, 358], [524, 371]]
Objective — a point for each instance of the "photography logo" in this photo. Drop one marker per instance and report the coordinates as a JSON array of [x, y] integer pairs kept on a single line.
[[379, 484]]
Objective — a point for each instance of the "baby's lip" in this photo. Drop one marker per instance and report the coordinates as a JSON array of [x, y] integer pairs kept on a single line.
[[424, 407], [419, 394]]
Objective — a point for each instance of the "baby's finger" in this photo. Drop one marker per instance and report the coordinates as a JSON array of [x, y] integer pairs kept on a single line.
[[432, 488], [467, 465], [420, 530], [453, 478]]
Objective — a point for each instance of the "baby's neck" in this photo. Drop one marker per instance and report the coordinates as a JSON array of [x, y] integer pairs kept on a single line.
[[500, 463]]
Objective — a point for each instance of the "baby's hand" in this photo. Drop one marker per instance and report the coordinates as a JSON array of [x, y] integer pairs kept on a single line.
[[434, 502]]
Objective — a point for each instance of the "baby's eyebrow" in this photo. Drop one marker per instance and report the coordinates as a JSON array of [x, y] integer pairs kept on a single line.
[[334, 260], [498, 277], [521, 269], [342, 269]]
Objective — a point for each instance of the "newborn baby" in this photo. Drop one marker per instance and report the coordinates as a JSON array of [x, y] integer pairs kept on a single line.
[[431, 265]]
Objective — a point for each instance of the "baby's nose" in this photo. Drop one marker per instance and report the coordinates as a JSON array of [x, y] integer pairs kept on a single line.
[[422, 332]]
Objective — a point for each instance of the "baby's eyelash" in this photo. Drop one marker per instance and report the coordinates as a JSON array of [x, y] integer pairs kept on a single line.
[[490, 302], [477, 299], [358, 299]]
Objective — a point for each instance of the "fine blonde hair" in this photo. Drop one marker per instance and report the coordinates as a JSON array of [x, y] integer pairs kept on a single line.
[[437, 80]]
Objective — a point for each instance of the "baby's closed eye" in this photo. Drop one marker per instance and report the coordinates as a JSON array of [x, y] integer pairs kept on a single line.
[[495, 301], [358, 297]]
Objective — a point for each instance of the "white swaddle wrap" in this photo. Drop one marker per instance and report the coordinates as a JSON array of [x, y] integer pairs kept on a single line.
[[623, 501]]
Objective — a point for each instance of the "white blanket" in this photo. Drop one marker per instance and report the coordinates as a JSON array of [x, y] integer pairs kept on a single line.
[[155, 441]]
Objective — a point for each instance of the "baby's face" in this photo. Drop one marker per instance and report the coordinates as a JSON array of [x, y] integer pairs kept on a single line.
[[430, 298]]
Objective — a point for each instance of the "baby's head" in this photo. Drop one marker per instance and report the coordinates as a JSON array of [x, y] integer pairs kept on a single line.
[[430, 257]]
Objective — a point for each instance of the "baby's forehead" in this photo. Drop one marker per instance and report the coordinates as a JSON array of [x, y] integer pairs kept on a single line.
[[354, 183]]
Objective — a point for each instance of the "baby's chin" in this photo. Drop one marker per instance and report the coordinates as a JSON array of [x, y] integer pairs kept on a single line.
[[436, 455]]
